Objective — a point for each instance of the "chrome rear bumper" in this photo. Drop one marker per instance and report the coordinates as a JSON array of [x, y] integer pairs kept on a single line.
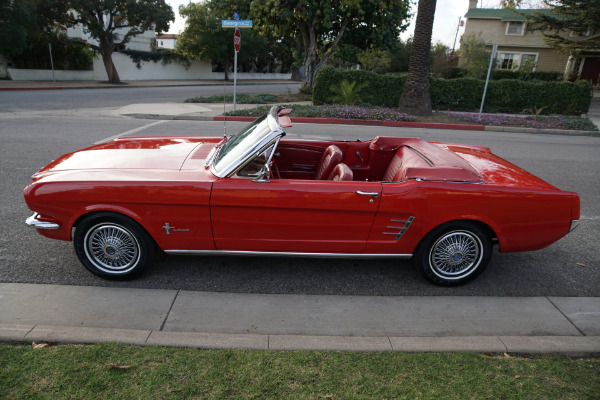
[[574, 225]]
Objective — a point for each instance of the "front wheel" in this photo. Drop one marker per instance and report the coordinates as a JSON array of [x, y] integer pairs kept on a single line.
[[113, 246], [454, 253]]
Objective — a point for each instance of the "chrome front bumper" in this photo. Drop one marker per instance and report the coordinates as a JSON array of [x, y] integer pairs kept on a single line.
[[37, 224]]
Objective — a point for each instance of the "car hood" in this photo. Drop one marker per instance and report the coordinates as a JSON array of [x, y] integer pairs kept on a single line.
[[141, 153]]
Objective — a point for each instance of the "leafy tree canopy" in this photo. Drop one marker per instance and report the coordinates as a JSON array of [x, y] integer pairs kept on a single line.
[[111, 22], [204, 38], [16, 19], [320, 25], [573, 25]]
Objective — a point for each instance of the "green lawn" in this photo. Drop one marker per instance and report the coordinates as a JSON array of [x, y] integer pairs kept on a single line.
[[111, 371]]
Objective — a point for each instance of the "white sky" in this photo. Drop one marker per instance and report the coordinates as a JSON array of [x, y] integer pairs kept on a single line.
[[444, 24]]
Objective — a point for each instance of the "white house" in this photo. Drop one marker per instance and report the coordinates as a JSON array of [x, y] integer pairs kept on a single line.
[[142, 42], [168, 41]]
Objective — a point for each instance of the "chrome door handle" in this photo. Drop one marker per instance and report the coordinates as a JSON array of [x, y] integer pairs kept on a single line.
[[374, 194]]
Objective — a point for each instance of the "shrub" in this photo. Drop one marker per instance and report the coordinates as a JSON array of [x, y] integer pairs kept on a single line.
[[380, 90], [463, 94], [525, 75]]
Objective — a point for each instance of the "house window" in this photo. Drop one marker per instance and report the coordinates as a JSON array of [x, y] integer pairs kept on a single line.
[[528, 62], [515, 28], [525, 61], [506, 60]]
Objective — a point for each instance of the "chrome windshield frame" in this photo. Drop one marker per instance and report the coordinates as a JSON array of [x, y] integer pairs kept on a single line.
[[266, 131]]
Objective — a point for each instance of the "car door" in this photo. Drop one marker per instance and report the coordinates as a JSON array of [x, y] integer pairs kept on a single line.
[[292, 215]]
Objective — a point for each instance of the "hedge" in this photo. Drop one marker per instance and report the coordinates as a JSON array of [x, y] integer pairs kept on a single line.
[[464, 94]]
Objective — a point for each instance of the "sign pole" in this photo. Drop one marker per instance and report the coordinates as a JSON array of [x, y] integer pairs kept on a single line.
[[52, 63], [234, 78], [237, 43], [487, 80]]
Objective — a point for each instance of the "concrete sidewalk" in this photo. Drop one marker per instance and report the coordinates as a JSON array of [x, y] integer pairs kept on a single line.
[[74, 314]]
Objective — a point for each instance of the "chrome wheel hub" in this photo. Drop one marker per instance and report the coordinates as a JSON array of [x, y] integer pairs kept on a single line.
[[456, 254], [112, 248]]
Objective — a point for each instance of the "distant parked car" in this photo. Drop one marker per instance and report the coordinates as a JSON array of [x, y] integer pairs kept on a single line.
[[444, 205]]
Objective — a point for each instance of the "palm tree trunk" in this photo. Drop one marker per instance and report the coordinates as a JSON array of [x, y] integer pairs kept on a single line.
[[415, 98]]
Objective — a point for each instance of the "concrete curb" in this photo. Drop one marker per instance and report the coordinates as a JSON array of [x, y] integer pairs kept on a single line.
[[567, 345], [404, 124], [397, 124], [428, 125]]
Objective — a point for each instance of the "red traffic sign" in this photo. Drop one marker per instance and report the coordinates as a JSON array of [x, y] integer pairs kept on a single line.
[[237, 39]]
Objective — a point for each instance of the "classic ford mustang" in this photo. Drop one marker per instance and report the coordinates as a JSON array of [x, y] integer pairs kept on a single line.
[[444, 205]]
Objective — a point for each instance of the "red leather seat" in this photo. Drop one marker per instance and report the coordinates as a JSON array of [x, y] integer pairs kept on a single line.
[[341, 172], [330, 158]]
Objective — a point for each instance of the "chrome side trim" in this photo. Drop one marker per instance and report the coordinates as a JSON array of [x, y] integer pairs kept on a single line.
[[283, 254], [402, 228], [574, 225], [35, 223]]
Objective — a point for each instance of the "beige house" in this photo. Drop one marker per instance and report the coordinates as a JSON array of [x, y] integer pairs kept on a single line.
[[519, 48]]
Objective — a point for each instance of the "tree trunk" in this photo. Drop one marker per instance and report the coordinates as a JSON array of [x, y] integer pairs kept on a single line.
[[111, 71], [415, 98]]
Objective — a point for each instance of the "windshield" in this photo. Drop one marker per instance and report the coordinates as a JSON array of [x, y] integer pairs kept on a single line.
[[240, 147]]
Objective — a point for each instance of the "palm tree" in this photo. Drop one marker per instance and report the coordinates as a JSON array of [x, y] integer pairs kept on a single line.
[[415, 99]]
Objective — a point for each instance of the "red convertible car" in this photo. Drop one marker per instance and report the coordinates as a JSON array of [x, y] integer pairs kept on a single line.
[[444, 205]]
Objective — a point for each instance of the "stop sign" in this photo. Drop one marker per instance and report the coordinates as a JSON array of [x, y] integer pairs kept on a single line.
[[237, 39]]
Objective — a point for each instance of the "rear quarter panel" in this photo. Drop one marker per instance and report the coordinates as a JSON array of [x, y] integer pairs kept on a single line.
[[521, 218]]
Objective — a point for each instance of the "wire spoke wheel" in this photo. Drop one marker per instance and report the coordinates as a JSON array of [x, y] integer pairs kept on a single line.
[[112, 248], [455, 254]]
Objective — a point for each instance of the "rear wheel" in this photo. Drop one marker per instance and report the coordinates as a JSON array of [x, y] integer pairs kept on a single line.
[[113, 246], [454, 253]]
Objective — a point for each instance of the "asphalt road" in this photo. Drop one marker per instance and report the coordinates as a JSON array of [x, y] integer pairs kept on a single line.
[[570, 267], [20, 101]]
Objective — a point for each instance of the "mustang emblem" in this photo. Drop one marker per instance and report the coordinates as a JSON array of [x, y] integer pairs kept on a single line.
[[168, 228]]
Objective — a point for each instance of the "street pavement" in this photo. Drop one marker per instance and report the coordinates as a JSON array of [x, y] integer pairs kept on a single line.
[[79, 314]]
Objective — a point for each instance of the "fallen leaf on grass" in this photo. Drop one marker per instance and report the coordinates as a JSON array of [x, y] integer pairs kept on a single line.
[[507, 355], [39, 345], [119, 366], [517, 376]]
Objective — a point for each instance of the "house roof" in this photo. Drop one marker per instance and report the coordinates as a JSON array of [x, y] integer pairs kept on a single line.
[[503, 14], [168, 36]]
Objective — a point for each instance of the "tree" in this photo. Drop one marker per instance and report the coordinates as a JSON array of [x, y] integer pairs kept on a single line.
[[375, 60], [106, 19], [474, 56], [25, 36], [321, 24], [415, 98], [440, 60], [205, 39], [571, 26], [16, 19]]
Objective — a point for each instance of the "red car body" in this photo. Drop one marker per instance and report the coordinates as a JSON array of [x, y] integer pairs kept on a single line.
[[167, 187]]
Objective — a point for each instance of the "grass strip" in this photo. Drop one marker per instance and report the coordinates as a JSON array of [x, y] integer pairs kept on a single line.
[[114, 371]]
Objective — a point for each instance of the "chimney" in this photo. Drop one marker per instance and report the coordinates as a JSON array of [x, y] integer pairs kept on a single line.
[[472, 4]]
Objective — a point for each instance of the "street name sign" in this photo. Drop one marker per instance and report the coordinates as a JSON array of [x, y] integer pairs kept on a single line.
[[231, 23]]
